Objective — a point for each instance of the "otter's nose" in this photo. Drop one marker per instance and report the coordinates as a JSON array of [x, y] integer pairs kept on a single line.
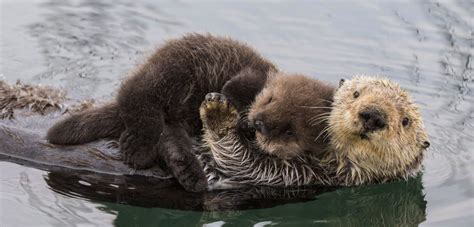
[[259, 125], [372, 120]]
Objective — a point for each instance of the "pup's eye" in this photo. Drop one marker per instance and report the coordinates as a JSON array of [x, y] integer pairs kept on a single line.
[[356, 94], [270, 99], [289, 133], [405, 121]]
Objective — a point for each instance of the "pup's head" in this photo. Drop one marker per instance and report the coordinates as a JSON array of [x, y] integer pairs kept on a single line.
[[289, 115], [377, 126]]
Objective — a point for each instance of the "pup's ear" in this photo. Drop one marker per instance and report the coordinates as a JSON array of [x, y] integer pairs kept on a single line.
[[341, 82], [242, 89]]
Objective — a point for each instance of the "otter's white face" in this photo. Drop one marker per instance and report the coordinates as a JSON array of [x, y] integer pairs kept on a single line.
[[375, 123]]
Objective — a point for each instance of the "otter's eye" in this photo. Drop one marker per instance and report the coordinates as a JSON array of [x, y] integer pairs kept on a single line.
[[270, 99], [289, 133], [405, 121], [356, 94]]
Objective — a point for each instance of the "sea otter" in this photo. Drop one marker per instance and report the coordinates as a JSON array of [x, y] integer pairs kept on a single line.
[[231, 159], [156, 111], [374, 134], [287, 113]]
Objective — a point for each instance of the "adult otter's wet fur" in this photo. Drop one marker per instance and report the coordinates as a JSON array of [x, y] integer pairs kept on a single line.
[[161, 100], [374, 134], [376, 131]]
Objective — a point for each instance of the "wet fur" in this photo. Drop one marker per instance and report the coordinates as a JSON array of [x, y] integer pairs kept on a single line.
[[88, 125], [292, 107], [349, 167], [230, 160], [392, 155], [166, 93]]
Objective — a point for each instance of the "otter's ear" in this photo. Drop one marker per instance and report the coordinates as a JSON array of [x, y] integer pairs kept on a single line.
[[341, 82], [242, 89]]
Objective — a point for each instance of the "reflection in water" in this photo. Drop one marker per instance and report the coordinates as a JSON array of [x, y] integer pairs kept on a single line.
[[42, 205], [398, 203], [146, 192]]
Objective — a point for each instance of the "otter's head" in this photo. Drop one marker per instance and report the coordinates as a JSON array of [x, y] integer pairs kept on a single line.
[[287, 115], [377, 127]]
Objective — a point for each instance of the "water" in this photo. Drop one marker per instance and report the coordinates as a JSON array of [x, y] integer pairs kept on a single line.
[[87, 46]]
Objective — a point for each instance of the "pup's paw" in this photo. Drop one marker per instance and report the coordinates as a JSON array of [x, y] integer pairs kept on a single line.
[[137, 153], [218, 114], [186, 169]]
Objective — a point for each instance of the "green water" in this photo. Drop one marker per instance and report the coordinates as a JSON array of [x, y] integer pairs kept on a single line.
[[392, 204]]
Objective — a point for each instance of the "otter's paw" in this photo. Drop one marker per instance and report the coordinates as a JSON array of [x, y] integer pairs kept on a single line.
[[186, 169], [137, 153], [218, 114]]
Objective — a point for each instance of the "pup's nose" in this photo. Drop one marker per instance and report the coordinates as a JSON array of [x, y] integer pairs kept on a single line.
[[372, 120], [259, 124]]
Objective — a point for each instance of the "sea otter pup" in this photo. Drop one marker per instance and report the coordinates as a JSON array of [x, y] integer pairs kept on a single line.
[[156, 111], [286, 115], [374, 134]]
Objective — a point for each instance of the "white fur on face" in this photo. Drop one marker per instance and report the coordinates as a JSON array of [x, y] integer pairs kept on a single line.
[[388, 151]]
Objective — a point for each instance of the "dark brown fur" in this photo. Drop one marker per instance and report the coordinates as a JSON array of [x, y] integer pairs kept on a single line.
[[88, 126], [289, 111], [392, 146], [161, 100]]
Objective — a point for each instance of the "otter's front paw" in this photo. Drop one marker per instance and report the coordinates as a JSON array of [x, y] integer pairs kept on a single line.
[[137, 153], [183, 164], [218, 114]]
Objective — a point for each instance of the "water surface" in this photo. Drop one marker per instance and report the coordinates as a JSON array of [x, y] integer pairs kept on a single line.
[[87, 46]]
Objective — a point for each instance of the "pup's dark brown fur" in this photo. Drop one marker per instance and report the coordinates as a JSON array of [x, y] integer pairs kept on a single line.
[[162, 100], [287, 115]]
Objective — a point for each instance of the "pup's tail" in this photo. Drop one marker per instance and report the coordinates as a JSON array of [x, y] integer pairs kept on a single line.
[[87, 126]]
